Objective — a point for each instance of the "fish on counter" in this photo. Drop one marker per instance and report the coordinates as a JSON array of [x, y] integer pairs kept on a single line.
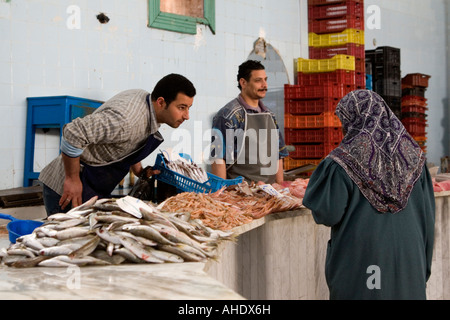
[[111, 232]]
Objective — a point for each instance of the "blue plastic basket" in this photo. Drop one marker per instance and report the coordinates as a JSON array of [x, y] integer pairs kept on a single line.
[[185, 184]]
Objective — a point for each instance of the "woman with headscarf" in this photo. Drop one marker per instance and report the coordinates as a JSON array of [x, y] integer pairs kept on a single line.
[[375, 192]]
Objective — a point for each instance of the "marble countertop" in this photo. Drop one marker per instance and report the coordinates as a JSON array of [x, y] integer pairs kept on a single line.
[[184, 281], [177, 281]]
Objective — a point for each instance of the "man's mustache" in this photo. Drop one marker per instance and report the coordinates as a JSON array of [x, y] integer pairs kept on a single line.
[[265, 89]]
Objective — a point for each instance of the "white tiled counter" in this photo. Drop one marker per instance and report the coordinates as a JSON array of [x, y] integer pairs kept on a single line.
[[280, 256]]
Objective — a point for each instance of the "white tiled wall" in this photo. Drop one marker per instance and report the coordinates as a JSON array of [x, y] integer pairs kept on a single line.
[[40, 56]]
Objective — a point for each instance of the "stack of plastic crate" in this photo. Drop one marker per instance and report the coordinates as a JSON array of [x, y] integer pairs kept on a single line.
[[310, 122], [414, 106], [386, 75], [337, 27], [335, 68]]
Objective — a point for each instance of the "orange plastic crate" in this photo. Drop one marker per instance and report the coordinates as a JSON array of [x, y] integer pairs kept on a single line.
[[290, 163], [312, 151], [319, 135], [310, 106], [326, 119]]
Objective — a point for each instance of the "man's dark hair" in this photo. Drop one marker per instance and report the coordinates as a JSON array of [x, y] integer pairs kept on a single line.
[[169, 87], [245, 70]]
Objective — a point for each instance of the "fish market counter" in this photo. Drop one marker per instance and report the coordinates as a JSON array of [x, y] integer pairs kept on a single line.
[[280, 256]]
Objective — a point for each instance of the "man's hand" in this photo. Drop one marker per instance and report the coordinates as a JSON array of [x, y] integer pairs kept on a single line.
[[73, 189]]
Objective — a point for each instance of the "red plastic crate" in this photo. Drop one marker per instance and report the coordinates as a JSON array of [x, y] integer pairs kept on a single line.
[[325, 2], [360, 65], [323, 120], [414, 108], [308, 151], [416, 80], [349, 49], [415, 126], [311, 106], [325, 90], [316, 79], [346, 8], [320, 135], [414, 101], [336, 24]]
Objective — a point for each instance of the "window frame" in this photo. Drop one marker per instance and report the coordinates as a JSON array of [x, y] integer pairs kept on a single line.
[[179, 23]]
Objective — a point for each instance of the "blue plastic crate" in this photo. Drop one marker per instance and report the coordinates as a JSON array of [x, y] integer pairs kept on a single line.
[[369, 85], [185, 184]]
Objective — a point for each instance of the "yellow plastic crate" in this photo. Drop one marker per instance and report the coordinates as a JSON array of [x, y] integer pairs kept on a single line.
[[336, 39], [338, 62]]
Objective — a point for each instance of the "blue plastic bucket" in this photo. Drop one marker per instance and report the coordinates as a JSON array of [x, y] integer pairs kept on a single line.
[[17, 228]]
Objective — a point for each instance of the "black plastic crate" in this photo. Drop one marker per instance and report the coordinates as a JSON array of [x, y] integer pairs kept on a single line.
[[387, 56], [394, 103], [388, 87], [416, 91], [387, 72]]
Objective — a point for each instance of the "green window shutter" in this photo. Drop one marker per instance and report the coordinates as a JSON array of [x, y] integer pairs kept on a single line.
[[179, 23]]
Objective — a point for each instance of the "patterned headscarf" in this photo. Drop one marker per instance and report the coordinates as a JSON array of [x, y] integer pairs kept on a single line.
[[377, 152]]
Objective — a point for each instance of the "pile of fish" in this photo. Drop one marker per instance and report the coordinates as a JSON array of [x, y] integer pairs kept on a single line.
[[183, 166], [114, 231]]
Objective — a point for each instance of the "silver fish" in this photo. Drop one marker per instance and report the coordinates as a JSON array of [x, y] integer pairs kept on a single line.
[[84, 206], [187, 256], [136, 248], [85, 249], [147, 232], [71, 233]]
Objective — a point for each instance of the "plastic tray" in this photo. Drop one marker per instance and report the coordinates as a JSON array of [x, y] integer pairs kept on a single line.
[[416, 80], [338, 62], [185, 184], [336, 39]]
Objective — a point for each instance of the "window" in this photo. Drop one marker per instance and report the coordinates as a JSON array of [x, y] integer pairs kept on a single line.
[[181, 15]]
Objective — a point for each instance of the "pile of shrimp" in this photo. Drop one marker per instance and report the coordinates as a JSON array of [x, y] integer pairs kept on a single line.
[[229, 208], [212, 212]]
